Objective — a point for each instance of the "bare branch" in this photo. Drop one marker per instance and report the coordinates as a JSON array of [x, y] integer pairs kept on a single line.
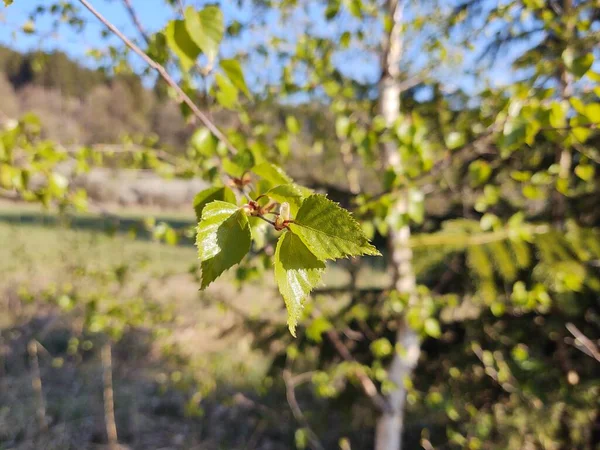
[[165, 75], [585, 344], [365, 381], [290, 391], [136, 20]]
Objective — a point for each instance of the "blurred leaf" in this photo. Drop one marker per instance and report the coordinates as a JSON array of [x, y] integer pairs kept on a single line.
[[381, 348], [455, 140], [289, 193], [227, 94], [272, 173], [577, 65], [342, 127], [585, 172], [333, 7], [432, 327], [204, 142], [205, 28], [181, 44], [317, 327], [292, 124], [234, 72]]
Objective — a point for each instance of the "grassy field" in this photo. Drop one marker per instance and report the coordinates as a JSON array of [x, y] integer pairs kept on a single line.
[[181, 374]]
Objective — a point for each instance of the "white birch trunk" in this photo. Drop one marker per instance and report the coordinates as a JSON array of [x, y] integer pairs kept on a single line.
[[388, 434]]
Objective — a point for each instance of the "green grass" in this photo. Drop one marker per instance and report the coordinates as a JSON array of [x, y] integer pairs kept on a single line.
[[46, 258], [51, 248]]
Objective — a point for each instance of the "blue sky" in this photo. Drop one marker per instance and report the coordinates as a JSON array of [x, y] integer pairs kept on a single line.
[[151, 12], [154, 14]]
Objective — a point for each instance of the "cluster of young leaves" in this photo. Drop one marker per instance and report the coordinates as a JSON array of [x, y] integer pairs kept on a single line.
[[29, 166], [313, 230], [196, 37]]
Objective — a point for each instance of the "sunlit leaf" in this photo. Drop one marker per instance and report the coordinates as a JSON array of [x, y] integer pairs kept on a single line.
[[181, 44], [205, 28], [211, 194], [297, 272], [234, 72], [330, 231], [223, 239]]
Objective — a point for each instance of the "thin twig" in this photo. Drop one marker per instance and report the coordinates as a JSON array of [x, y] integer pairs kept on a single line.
[[36, 384], [290, 391], [584, 341], [136, 21], [109, 403], [165, 75], [266, 220], [365, 381]]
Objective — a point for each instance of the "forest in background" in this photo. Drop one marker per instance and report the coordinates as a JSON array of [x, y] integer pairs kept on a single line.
[[476, 329], [84, 106]]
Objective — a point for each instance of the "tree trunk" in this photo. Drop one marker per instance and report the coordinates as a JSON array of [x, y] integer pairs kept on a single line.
[[388, 434]]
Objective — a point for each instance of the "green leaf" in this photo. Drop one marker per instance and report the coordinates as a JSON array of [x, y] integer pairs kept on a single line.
[[227, 95], [297, 272], [432, 327], [204, 142], [342, 127], [455, 139], [181, 44], [577, 65], [382, 347], [479, 172], [592, 112], [580, 127], [206, 29], [8, 2], [223, 239], [558, 114], [330, 231], [28, 27], [345, 39], [206, 196], [355, 8], [239, 164], [290, 193], [333, 7], [292, 124], [316, 329], [234, 72], [585, 172], [272, 174]]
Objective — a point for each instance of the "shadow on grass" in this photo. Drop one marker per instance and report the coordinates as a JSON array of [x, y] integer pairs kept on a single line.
[[161, 401], [110, 224]]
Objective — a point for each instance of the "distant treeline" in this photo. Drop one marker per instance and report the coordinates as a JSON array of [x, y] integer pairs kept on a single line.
[[77, 104]]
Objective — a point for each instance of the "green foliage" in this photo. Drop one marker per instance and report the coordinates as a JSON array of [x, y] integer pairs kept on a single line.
[[223, 239], [289, 193], [233, 69], [206, 196], [206, 29], [329, 231], [272, 174], [297, 272], [498, 187], [180, 42]]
